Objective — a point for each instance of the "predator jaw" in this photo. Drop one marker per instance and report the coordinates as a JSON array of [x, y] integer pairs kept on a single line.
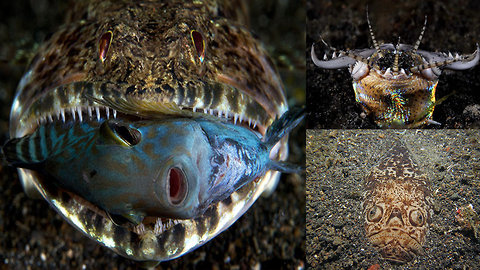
[[96, 84]]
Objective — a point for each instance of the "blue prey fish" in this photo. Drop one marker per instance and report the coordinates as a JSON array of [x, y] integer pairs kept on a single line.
[[172, 167]]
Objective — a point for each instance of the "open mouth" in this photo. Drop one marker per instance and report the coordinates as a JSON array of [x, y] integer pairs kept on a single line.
[[68, 104]]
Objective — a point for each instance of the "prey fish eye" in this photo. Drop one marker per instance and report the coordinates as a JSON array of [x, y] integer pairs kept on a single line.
[[395, 83]]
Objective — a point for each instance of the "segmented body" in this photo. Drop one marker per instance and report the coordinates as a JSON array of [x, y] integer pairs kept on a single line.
[[141, 60], [397, 206]]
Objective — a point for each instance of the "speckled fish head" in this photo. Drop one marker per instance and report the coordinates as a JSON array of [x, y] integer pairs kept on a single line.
[[170, 59], [140, 60], [397, 207], [395, 84]]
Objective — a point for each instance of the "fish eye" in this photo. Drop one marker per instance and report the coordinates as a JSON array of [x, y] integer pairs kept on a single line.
[[375, 213], [416, 218], [104, 45], [199, 43], [177, 186]]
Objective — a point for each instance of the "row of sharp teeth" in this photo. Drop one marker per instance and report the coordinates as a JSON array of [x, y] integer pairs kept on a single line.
[[236, 117], [388, 72], [334, 55], [78, 112], [159, 227], [450, 55]]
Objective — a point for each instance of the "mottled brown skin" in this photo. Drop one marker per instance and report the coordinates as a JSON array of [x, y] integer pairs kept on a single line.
[[397, 206], [151, 68], [152, 59]]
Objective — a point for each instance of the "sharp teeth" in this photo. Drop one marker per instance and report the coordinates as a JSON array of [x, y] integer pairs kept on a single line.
[[97, 111], [403, 71], [388, 72], [50, 119], [240, 119], [220, 114], [249, 122], [235, 116], [334, 55], [450, 55], [457, 56], [211, 111], [89, 112], [255, 124], [194, 109], [107, 112], [325, 57], [80, 116], [158, 226], [114, 114], [72, 110], [62, 112]]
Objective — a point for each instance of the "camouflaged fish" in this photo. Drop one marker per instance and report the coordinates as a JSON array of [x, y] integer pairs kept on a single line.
[[395, 84], [142, 60], [397, 206], [173, 168]]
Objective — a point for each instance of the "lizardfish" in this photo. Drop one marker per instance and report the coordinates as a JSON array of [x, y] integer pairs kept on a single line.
[[172, 167]]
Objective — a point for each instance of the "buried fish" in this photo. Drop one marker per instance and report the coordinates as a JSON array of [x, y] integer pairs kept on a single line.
[[142, 61], [173, 168], [397, 206], [395, 84]]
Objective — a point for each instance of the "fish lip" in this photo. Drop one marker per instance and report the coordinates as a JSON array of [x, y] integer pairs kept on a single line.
[[387, 233]]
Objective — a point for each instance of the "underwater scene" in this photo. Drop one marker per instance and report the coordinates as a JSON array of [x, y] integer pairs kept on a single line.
[[93, 86], [390, 199]]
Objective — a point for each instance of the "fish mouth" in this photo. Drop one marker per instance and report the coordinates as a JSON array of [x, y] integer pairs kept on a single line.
[[154, 237], [396, 244]]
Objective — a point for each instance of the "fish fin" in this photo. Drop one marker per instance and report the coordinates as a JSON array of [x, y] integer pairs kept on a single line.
[[17, 152], [282, 126], [286, 167]]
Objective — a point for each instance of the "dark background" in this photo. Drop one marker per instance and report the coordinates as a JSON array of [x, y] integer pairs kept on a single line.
[[452, 26], [33, 236]]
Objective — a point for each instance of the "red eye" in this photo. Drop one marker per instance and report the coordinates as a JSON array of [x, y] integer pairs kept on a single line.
[[104, 44], [199, 43], [177, 186]]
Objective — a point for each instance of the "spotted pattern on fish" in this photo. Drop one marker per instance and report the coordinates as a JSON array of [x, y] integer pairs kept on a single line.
[[397, 206]]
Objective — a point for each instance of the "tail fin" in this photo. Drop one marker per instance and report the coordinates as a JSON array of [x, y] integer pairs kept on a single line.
[[280, 127]]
